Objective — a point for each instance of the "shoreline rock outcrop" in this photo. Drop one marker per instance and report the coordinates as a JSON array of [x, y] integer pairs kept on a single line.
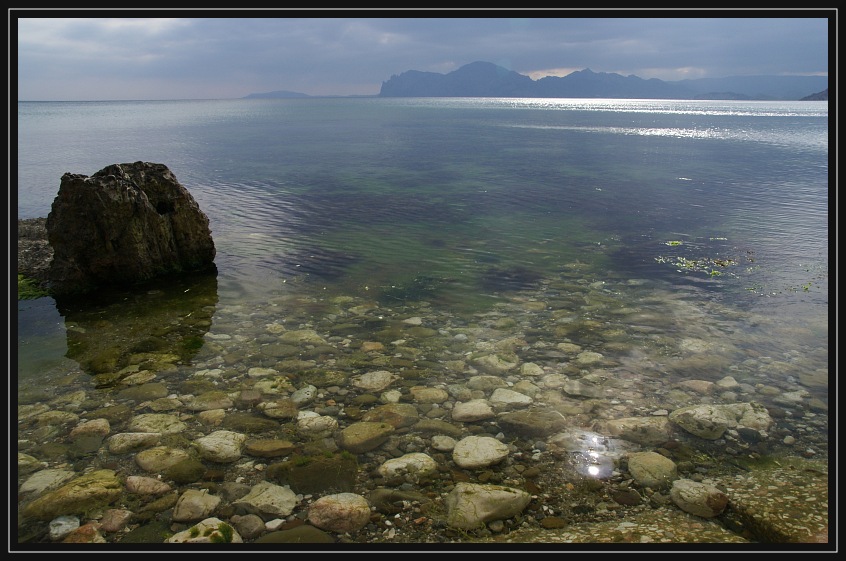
[[126, 224], [34, 251]]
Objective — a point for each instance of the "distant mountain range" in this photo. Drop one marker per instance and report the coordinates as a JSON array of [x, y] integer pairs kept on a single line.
[[280, 94], [485, 79]]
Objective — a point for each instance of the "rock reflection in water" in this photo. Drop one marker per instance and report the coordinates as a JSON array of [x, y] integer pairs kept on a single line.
[[156, 323]]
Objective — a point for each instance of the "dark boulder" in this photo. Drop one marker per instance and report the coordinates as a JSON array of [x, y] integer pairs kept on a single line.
[[126, 224]]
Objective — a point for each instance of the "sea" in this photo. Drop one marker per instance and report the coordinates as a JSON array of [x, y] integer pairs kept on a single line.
[[677, 240]]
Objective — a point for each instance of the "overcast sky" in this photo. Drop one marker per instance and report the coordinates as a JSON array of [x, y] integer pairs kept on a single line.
[[231, 56]]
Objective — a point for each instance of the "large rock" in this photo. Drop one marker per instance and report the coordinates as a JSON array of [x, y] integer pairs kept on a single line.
[[341, 513], [471, 505], [125, 224], [711, 421], [698, 498], [85, 493]]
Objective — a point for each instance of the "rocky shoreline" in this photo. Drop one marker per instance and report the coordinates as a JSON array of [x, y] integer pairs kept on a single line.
[[349, 423], [34, 251]]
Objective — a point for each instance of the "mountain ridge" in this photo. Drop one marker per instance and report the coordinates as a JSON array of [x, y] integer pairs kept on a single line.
[[486, 79]]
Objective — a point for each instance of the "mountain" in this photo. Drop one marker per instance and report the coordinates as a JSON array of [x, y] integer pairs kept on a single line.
[[477, 79], [819, 96], [485, 79], [281, 94], [757, 87], [586, 83]]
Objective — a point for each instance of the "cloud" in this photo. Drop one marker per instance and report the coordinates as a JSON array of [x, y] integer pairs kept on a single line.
[[207, 57]]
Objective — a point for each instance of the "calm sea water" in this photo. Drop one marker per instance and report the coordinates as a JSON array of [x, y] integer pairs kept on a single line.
[[464, 202]]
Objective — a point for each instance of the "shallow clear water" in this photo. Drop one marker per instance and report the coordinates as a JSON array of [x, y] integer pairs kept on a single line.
[[712, 212]]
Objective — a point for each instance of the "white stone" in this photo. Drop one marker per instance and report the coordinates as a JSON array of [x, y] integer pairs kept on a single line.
[[479, 451], [415, 465]]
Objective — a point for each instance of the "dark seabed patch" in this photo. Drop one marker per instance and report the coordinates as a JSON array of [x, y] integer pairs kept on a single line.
[[421, 287], [497, 279], [321, 263]]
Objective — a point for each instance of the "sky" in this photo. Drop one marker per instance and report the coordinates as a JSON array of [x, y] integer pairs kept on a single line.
[[184, 54]]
